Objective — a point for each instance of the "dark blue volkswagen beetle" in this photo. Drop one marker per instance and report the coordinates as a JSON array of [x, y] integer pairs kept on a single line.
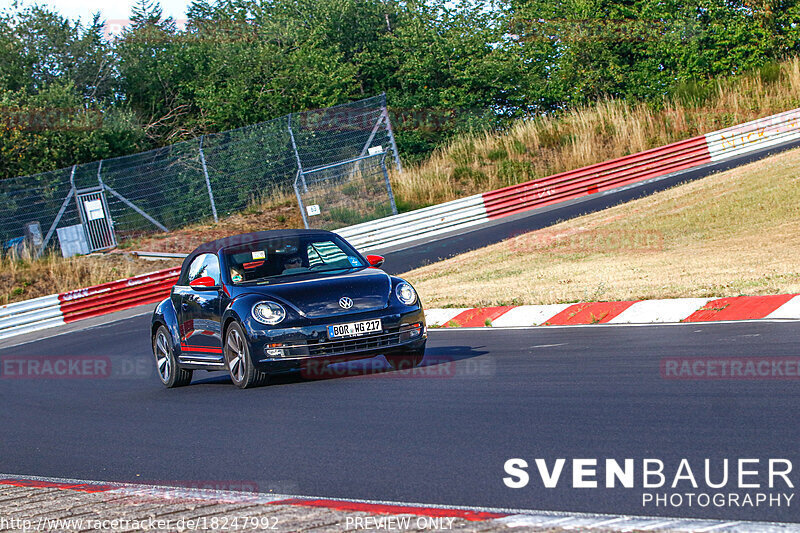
[[271, 301]]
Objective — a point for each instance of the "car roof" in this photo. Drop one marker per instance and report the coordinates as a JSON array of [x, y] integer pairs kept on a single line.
[[213, 247]]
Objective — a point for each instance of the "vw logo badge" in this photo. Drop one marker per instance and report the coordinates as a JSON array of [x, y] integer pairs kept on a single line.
[[345, 302]]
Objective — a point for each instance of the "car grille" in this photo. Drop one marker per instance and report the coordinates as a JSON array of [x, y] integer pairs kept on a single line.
[[355, 344]]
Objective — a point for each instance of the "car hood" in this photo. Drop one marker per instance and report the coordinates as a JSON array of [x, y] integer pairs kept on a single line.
[[319, 296]]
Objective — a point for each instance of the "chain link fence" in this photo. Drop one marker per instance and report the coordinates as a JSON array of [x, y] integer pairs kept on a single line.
[[345, 193], [215, 175]]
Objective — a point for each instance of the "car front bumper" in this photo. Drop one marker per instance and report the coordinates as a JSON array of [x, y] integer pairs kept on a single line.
[[287, 348]]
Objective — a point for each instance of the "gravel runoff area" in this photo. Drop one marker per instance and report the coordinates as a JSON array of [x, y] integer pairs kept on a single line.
[[43, 504], [58, 509]]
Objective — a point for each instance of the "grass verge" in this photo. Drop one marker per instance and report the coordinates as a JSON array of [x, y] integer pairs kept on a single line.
[[531, 149], [733, 233]]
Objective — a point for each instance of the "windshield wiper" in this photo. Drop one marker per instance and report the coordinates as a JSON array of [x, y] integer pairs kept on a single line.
[[340, 268]]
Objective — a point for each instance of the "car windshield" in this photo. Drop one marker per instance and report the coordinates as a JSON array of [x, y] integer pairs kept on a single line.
[[269, 259]]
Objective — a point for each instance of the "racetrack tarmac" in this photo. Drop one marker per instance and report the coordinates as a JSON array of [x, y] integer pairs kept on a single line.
[[437, 436]]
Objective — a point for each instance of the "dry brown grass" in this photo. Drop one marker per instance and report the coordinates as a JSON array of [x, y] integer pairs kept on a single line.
[[279, 212], [532, 149], [733, 233], [22, 277]]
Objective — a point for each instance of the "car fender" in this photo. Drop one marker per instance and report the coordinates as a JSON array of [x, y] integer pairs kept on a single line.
[[398, 280], [239, 310], [165, 314]]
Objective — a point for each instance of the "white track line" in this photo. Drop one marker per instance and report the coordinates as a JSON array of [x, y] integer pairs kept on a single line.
[[609, 325]]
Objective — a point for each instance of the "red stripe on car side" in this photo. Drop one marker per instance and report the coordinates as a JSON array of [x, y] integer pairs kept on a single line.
[[201, 349]]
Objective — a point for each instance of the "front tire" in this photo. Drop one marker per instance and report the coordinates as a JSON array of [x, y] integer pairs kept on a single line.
[[170, 374], [407, 360], [237, 358]]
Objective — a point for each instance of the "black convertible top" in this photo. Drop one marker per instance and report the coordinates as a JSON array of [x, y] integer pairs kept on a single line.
[[213, 247]]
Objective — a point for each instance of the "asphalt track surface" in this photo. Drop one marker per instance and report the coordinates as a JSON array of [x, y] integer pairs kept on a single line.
[[487, 396], [443, 437]]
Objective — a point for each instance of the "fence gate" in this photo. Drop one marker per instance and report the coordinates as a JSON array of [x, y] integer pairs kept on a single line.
[[96, 219]]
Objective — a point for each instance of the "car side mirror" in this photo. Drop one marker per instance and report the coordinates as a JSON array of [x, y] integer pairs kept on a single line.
[[375, 260], [204, 283]]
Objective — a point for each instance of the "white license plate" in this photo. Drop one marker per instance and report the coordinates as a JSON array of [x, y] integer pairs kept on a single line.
[[354, 329]]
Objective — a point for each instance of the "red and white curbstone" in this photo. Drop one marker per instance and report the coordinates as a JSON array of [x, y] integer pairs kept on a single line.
[[780, 306]]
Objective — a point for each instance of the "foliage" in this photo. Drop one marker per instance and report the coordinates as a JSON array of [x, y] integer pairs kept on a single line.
[[447, 66]]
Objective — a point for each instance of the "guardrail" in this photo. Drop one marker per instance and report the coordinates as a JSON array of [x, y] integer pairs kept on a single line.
[[30, 315], [50, 311], [411, 226], [57, 309], [117, 295], [606, 176]]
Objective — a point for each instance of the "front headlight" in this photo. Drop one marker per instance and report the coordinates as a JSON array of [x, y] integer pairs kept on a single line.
[[269, 313], [406, 293]]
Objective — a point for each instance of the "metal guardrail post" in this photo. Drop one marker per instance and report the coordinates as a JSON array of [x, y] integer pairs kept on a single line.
[[297, 156], [395, 153], [300, 200], [208, 181], [388, 183], [60, 214]]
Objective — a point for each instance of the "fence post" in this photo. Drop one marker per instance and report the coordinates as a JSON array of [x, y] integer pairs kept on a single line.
[[395, 153], [208, 181], [297, 155], [60, 214], [300, 200], [105, 203], [388, 184]]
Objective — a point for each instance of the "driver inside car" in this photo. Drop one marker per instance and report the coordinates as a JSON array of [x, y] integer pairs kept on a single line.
[[293, 264]]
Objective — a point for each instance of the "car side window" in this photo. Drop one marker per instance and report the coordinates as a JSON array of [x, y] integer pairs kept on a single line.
[[326, 253], [204, 265]]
